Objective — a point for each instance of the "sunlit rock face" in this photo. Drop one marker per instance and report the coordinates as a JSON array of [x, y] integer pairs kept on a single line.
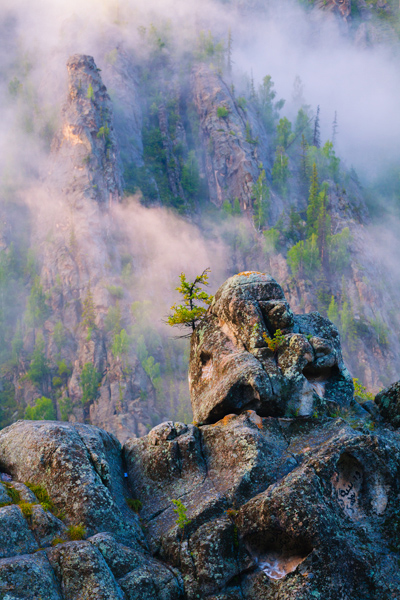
[[77, 231], [85, 154], [251, 352]]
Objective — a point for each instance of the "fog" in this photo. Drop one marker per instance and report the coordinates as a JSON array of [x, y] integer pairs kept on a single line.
[[360, 83]]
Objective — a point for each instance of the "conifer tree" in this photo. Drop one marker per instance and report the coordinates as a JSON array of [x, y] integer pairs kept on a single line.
[[303, 160], [261, 195], [280, 170], [313, 209], [89, 312], [189, 314], [333, 311], [317, 134]]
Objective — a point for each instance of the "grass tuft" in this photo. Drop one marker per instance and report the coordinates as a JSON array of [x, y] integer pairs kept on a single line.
[[76, 532]]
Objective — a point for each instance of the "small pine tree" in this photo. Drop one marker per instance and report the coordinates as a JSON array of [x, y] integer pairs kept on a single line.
[[304, 175], [280, 170], [37, 309], [90, 380], [313, 208], [260, 206], [317, 133], [189, 314], [236, 211], [181, 510], [333, 311], [38, 368], [17, 344], [89, 312]]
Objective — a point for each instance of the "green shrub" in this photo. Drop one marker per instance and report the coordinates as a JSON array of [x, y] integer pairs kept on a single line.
[[57, 382], [90, 380], [180, 509], [90, 92], [65, 406], [222, 112], [59, 335], [76, 532], [241, 102], [38, 368], [26, 508], [276, 341], [360, 391], [37, 310], [134, 504], [42, 409], [121, 344], [13, 493], [57, 541], [63, 370], [116, 291], [42, 495]]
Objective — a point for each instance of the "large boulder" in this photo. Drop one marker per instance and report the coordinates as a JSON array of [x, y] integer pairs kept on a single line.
[[251, 352]]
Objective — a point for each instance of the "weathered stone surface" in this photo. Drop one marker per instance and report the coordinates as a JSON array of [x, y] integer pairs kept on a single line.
[[232, 368], [388, 402], [82, 572], [45, 526], [30, 577], [81, 468], [15, 535]]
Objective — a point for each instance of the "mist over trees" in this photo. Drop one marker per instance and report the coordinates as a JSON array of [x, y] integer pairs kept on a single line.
[[303, 217]]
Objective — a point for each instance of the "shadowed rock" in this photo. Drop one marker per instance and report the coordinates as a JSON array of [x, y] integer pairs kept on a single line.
[[234, 365]]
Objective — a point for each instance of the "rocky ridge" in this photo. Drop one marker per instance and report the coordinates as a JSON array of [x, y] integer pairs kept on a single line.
[[81, 261], [266, 506]]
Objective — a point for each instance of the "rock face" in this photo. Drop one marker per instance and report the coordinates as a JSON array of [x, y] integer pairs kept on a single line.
[[254, 506], [81, 261], [231, 161], [238, 362]]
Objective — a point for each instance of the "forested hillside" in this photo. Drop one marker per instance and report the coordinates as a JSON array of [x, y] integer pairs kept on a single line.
[[140, 144]]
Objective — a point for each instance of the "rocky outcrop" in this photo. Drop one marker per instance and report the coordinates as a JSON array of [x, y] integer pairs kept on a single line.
[[85, 152], [388, 402], [76, 231], [81, 470], [251, 352], [230, 158], [252, 506], [341, 7]]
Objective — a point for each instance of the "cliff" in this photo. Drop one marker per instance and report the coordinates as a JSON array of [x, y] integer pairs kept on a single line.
[[81, 266], [270, 499]]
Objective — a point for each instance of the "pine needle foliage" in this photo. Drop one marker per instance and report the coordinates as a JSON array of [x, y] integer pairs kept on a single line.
[[189, 314], [181, 510]]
